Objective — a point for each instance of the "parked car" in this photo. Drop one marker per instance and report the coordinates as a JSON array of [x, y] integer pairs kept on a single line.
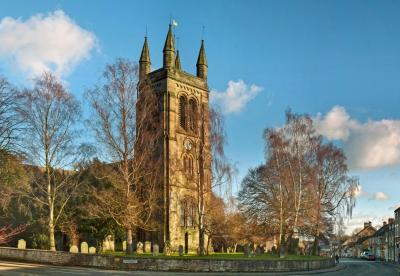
[[371, 257], [364, 255]]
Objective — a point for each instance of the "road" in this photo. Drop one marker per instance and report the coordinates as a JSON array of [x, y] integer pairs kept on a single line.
[[347, 267]]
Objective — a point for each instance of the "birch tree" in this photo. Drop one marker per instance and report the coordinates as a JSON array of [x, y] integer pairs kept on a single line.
[[302, 183], [48, 112], [125, 127], [211, 160]]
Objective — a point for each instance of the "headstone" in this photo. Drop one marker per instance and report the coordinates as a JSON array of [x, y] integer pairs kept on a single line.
[[108, 244], [246, 250], [21, 244], [84, 248], [139, 248], [156, 250], [74, 249], [147, 246], [281, 252], [181, 250], [92, 250], [124, 246], [259, 251]]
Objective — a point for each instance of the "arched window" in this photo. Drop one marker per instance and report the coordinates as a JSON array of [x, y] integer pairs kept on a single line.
[[190, 169], [188, 165], [192, 115], [182, 112], [187, 212]]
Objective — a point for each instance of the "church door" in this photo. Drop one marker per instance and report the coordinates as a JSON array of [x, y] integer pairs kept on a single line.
[[186, 243]]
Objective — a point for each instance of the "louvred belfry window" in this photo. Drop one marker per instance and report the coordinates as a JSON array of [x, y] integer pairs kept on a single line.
[[187, 213], [192, 115], [182, 112]]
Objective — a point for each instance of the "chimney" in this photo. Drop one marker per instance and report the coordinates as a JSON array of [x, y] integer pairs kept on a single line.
[[384, 223], [367, 224], [391, 220]]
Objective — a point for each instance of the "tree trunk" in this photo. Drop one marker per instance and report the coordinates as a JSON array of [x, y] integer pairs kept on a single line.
[[282, 247], [315, 246], [201, 242], [52, 240], [129, 244], [208, 245], [235, 248]]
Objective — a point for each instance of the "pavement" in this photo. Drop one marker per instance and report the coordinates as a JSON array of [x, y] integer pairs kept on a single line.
[[347, 267]]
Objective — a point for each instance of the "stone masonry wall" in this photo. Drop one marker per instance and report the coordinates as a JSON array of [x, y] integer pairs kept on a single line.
[[160, 264]]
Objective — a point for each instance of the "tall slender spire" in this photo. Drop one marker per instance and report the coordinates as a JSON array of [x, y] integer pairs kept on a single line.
[[169, 50], [144, 62], [177, 61], [201, 64]]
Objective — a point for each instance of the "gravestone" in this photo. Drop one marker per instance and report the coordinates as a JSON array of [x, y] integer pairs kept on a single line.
[[124, 246], [246, 250], [139, 248], [147, 246], [259, 251], [109, 244], [21, 244], [282, 252], [74, 249], [156, 250], [92, 250], [84, 248], [181, 250]]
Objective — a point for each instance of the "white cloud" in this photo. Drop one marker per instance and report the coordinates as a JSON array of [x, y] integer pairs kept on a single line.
[[236, 96], [356, 223], [44, 42], [394, 207], [368, 145], [381, 196], [359, 192]]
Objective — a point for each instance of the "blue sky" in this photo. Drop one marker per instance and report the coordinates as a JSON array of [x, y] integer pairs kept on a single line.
[[339, 61]]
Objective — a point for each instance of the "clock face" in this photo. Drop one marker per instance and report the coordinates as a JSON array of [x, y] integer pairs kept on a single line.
[[188, 145]]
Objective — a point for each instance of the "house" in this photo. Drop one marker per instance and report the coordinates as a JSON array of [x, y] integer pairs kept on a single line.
[[397, 234], [379, 244], [354, 246], [389, 238]]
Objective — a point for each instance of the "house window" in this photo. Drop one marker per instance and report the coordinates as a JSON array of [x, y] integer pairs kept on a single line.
[[182, 112]]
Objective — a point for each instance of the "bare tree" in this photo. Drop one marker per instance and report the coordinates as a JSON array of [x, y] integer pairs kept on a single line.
[[125, 125], [7, 233], [12, 177], [301, 185], [211, 159], [334, 189], [48, 112], [8, 118]]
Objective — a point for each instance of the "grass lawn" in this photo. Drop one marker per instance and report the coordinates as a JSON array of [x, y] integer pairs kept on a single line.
[[219, 256]]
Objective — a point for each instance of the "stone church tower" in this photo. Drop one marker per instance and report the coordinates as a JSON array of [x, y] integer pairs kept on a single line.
[[185, 145]]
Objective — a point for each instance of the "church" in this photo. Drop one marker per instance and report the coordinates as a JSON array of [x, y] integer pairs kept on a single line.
[[185, 146]]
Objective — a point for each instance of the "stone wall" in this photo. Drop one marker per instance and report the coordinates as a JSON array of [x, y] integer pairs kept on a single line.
[[160, 264]]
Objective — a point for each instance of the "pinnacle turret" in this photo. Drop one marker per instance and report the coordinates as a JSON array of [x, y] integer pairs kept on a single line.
[[144, 62], [201, 64], [169, 50], [177, 61]]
